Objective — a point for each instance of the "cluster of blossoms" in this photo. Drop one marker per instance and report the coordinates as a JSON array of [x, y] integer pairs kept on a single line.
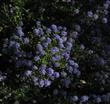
[[45, 61], [101, 13], [91, 98], [44, 56], [84, 99]]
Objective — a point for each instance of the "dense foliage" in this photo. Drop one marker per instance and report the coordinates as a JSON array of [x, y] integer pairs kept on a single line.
[[54, 51]]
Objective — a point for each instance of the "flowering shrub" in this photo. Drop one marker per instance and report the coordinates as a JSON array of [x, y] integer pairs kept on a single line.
[[54, 52], [43, 56]]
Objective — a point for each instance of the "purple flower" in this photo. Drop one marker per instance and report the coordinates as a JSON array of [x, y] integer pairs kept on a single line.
[[66, 55], [47, 83], [50, 71], [56, 58], [54, 50], [104, 20], [71, 40], [39, 47], [48, 40], [38, 23], [18, 53], [42, 69], [71, 62], [60, 40], [43, 66], [56, 74], [41, 83], [26, 40], [35, 80], [14, 45], [56, 36], [36, 32], [19, 28], [69, 45], [19, 32], [84, 98], [60, 27], [63, 33], [56, 64], [54, 28], [61, 45], [90, 14], [64, 39], [17, 45], [36, 58], [45, 44], [64, 28], [28, 73], [42, 52], [106, 6], [76, 72], [76, 65], [48, 31], [41, 31], [74, 34], [70, 69]]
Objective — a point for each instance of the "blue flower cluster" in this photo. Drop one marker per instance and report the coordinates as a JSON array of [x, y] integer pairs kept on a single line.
[[67, 63], [43, 56], [105, 98]]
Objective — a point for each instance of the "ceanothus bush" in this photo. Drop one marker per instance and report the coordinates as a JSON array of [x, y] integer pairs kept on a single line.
[[63, 57], [44, 55]]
